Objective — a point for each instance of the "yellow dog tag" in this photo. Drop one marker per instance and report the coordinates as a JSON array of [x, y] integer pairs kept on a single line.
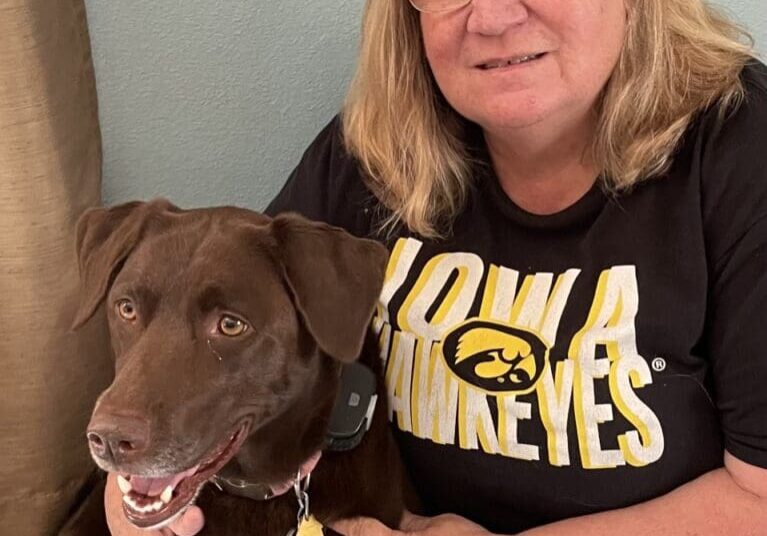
[[310, 527]]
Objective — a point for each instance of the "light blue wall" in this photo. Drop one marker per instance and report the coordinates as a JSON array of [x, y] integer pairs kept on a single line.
[[213, 101]]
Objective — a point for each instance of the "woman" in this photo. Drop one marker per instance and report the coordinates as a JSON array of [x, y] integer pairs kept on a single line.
[[574, 194]]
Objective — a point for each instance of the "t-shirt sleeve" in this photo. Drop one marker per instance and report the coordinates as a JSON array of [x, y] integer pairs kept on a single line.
[[734, 175], [327, 186]]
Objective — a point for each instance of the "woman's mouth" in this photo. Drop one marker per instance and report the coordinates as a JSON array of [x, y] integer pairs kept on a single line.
[[510, 62], [153, 502]]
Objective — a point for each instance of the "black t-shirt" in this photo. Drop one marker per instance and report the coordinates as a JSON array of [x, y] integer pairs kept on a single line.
[[544, 367]]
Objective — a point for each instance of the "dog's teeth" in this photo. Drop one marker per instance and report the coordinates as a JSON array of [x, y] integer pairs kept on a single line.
[[124, 485], [157, 505], [167, 495], [130, 502]]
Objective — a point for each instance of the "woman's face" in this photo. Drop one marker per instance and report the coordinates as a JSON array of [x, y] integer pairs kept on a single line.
[[515, 63]]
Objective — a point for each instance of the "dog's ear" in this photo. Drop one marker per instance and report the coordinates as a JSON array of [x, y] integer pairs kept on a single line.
[[335, 279], [104, 239]]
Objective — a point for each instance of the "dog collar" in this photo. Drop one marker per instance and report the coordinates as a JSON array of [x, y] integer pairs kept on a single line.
[[353, 409], [263, 492]]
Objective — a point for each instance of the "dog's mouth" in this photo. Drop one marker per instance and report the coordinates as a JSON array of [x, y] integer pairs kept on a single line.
[[151, 503]]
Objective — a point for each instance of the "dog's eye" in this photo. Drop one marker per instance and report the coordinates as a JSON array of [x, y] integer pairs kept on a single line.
[[126, 310], [231, 326]]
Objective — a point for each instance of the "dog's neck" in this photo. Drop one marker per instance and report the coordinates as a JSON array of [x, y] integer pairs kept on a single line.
[[291, 442]]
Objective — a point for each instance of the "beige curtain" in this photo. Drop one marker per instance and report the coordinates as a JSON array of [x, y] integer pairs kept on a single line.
[[50, 165]]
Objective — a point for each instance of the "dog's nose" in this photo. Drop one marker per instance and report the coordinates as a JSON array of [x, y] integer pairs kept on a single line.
[[117, 438]]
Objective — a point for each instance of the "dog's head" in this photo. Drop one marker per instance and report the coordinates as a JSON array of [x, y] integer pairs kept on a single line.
[[228, 329]]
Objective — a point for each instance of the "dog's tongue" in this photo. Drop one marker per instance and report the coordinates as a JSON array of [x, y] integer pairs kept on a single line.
[[152, 487]]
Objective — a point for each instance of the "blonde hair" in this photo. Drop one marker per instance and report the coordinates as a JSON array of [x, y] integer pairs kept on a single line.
[[679, 58]]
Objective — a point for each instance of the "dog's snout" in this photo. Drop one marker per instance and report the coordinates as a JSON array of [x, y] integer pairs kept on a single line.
[[117, 438]]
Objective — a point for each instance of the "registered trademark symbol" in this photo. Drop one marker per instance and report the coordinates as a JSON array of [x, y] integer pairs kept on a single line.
[[659, 364]]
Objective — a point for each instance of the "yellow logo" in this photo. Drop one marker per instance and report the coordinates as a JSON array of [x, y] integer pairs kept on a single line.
[[495, 357]]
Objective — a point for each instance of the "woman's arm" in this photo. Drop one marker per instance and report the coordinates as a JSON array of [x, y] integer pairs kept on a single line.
[[730, 500]]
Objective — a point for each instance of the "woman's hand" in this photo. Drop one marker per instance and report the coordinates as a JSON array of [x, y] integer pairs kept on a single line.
[[192, 522], [188, 524], [411, 525]]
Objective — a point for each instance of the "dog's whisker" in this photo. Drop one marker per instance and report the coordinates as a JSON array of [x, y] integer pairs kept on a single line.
[[215, 353]]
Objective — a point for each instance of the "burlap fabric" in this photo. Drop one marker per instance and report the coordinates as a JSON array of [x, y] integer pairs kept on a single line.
[[50, 165]]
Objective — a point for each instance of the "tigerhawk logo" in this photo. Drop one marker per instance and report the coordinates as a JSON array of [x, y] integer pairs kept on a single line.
[[495, 357]]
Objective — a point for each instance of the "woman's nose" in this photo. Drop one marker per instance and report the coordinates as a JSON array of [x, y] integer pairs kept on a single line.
[[494, 17]]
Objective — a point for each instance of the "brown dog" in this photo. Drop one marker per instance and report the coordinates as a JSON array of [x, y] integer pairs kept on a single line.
[[229, 330]]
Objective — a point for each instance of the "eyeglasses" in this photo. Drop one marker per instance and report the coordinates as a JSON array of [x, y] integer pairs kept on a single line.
[[438, 6]]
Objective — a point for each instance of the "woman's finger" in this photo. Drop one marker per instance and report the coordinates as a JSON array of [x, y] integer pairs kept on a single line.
[[412, 523], [362, 526], [190, 523]]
